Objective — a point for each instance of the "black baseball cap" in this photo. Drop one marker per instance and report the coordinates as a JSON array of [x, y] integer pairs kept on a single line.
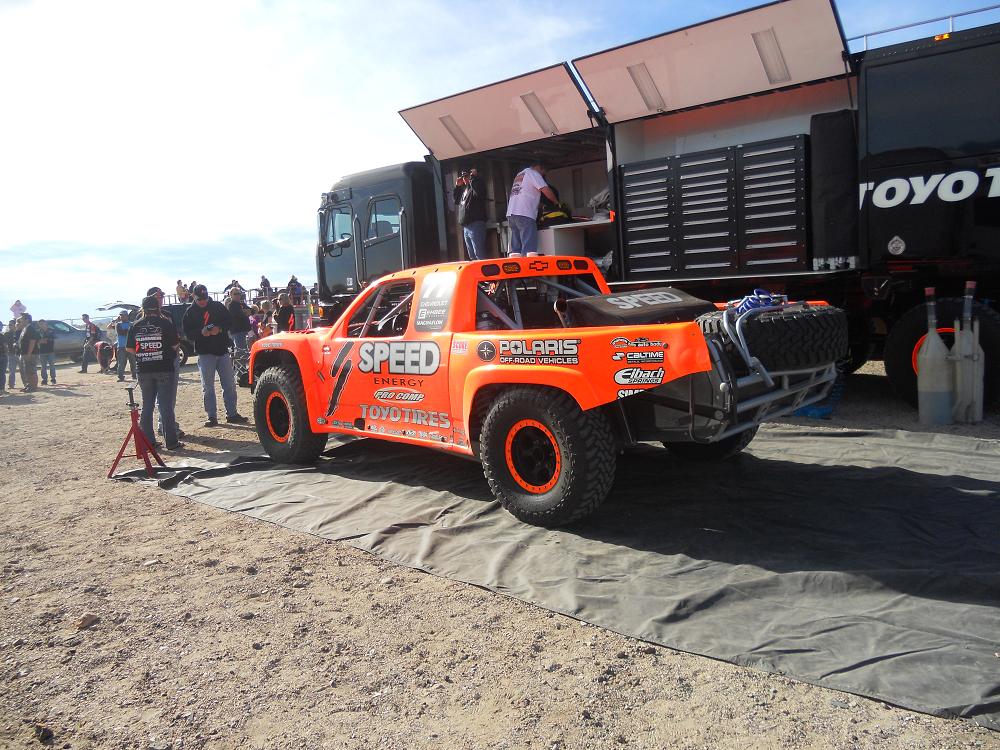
[[151, 302], [200, 291]]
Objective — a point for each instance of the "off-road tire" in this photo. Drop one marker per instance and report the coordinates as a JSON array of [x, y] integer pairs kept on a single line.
[[279, 411], [792, 339], [718, 451], [583, 442], [901, 343]]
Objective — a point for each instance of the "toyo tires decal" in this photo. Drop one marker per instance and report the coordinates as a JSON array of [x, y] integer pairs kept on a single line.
[[533, 456], [278, 417]]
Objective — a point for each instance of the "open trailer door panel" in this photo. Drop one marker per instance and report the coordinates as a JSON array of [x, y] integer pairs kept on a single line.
[[519, 110], [773, 46]]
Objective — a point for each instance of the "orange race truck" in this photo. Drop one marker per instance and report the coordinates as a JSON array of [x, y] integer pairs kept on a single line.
[[534, 367]]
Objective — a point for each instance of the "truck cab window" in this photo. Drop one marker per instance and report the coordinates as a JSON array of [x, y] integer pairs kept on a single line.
[[386, 312], [383, 218]]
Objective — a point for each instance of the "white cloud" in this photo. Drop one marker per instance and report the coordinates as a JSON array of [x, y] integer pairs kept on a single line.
[[189, 122]]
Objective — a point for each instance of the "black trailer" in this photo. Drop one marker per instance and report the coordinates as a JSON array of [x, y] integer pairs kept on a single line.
[[748, 151]]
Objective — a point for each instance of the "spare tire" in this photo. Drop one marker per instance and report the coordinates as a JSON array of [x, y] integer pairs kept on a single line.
[[795, 338]]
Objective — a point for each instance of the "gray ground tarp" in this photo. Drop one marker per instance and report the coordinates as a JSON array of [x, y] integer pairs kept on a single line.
[[868, 562]]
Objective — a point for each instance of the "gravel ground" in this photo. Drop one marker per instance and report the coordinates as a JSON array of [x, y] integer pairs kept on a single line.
[[131, 618]]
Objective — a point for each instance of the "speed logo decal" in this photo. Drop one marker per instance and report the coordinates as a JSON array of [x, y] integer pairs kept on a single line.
[[399, 357], [632, 301]]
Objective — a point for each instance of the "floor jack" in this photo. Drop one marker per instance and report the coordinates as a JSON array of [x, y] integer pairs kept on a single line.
[[143, 448]]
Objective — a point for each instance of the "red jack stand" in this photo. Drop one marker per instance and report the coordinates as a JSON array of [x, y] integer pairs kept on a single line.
[[143, 449]]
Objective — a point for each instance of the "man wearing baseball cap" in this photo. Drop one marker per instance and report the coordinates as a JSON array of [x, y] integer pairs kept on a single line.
[[153, 341], [207, 324]]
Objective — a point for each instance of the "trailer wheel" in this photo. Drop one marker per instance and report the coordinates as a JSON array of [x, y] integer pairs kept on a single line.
[[717, 451], [548, 462], [788, 339], [907, 336], [279, 411]]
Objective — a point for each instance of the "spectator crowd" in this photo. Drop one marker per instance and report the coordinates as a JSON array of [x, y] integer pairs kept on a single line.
[[148, 344]]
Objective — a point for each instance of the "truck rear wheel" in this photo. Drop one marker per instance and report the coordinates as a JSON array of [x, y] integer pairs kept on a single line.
[[717, 451], [548, 462], [789, 339], [907, 335], [279, 410]]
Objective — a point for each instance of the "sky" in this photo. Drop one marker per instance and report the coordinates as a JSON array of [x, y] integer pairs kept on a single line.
[[142, 142]]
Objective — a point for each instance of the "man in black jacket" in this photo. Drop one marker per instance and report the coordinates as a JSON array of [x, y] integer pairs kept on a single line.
[[470, 198], [207, 324], [239, 313], [153, 341]]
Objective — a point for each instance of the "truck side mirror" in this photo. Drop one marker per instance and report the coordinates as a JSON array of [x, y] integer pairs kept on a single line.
[[334, 249]]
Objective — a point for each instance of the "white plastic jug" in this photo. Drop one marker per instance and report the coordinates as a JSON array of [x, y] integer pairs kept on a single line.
[[935, 373]]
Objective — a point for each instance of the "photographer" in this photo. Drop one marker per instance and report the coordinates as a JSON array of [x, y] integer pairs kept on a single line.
[[470, 198], [207, 324]]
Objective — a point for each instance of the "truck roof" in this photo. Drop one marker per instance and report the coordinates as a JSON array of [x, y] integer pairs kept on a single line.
[[500, 268], [380, 174]]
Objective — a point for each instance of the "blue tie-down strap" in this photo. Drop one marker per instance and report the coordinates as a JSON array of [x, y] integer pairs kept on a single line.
[[824, 409]]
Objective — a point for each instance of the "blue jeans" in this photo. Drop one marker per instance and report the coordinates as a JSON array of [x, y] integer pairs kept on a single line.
[[123, 357], [48, 364], [475, 239], [208, 366], [14, 367], [158, 389], [523, 234]]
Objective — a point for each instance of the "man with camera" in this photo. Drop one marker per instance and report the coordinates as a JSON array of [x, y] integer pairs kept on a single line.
[[207, 324], [470, 198]]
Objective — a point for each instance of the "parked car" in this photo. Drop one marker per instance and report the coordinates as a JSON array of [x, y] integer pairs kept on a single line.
[[67, 340]]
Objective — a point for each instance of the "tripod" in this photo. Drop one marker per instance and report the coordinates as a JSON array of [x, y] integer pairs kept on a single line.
[[143, 448]]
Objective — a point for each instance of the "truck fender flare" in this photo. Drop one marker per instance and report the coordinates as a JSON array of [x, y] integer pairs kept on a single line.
[[572, 382]]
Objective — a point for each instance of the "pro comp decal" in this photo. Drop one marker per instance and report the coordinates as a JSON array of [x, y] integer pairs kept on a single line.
[[539, 351], [399, 357], [398, 395], [639, 376], [914, 191], [632, 301]]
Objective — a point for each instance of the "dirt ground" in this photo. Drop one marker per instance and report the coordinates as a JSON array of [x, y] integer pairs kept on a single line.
[[130, 618]]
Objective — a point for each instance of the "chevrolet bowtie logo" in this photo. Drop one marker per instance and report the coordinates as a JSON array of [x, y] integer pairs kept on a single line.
[[538, 265]]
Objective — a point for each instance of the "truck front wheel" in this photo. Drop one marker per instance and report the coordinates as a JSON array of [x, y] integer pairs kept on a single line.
[[279, 410], [548, 462]]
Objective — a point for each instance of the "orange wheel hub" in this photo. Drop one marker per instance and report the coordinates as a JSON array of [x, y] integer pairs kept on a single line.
[[533, 456], [277, 417]]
